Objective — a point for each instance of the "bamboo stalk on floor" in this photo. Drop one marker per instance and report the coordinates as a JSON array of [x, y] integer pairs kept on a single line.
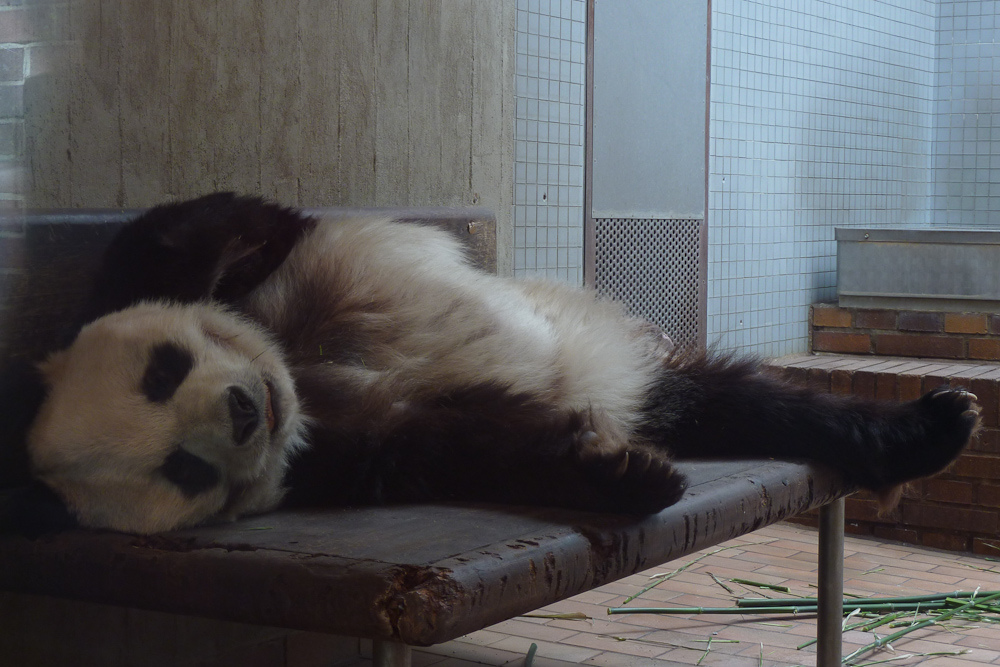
[[529, 658], [666, 576], [916, 603], [768, 587], [784, 602], [887, 640], [786, 610]]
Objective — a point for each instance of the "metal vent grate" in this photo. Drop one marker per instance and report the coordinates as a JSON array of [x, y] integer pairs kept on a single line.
[[652, 267]]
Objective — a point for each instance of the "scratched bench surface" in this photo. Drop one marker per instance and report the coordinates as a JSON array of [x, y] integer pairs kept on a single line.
[[420, 574]]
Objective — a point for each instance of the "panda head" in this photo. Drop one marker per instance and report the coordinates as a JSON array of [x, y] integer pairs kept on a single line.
[[161, 416]]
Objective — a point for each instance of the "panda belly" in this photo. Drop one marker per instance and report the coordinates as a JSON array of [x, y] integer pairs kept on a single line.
[[391, 313]]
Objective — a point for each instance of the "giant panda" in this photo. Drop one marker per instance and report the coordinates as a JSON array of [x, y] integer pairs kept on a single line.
[[235, 355]]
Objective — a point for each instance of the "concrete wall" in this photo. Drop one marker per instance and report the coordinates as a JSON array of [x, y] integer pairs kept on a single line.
[[315, 103]]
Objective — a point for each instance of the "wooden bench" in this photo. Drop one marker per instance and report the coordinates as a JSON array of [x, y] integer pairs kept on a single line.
[[402, 576]]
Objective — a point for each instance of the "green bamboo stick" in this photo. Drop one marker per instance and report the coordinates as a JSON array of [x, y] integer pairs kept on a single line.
[[916, 626], [787, 609], [865, 625], [530, 656], [705, 610], [988, 608], [707, 649], [667, 576], [886, 606], [871, 625], [719, 581], [711, 610], [771, 602], [935, 602], [758, 584], [653, 642], [659, 579]]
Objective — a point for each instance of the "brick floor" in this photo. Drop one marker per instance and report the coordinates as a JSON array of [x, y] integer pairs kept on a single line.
[[783, 554]]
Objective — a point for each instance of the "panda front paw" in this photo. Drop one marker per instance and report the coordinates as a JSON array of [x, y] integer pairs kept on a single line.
[[946, 419], [628, 478], [954, 409], [954, 415], [951, 417]]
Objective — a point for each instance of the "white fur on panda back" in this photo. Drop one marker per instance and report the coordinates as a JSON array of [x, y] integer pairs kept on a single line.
[[446, 324], [607, 358]]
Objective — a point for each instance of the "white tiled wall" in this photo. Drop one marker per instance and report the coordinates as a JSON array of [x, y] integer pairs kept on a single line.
[[548, 134], [967, 133], [821, 115]]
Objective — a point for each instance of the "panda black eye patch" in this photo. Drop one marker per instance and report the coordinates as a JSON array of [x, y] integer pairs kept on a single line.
[[168, 366], [192, 474]]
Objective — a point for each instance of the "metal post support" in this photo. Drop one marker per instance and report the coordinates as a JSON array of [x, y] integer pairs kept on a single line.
[[829, 625], [391, 654]]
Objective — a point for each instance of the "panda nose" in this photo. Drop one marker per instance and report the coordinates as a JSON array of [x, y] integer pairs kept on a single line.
[[244, 415]]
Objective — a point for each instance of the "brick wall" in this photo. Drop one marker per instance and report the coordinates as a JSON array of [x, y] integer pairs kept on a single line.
[[905, 333], [960, 508]]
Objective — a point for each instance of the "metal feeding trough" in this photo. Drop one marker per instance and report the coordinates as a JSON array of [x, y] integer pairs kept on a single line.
[[910, 269]]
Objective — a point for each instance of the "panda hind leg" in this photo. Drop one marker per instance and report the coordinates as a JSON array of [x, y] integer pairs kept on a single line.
[[725, 406], [486, 443]]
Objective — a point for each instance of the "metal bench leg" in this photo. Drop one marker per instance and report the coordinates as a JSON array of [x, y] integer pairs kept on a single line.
[[829, 625], [391, 654]]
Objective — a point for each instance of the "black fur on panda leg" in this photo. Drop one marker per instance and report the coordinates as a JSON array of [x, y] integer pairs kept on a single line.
[[720, 406], [485, 443]]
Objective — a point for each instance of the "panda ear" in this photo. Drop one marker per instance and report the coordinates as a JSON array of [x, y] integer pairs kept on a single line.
[[34, 510]]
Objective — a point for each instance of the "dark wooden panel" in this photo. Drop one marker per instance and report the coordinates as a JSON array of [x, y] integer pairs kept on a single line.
[[419, 574]]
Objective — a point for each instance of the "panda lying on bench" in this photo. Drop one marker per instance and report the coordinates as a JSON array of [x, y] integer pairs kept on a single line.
[[237, 355]]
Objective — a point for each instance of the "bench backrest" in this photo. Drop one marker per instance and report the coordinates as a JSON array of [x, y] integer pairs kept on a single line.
[[62, 249]]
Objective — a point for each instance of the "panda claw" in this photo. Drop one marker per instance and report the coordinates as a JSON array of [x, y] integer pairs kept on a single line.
[[971, 413], [944, 391], [644, 461]]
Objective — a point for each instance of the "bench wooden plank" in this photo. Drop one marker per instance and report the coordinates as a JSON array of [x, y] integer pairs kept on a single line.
[[419, 574]]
